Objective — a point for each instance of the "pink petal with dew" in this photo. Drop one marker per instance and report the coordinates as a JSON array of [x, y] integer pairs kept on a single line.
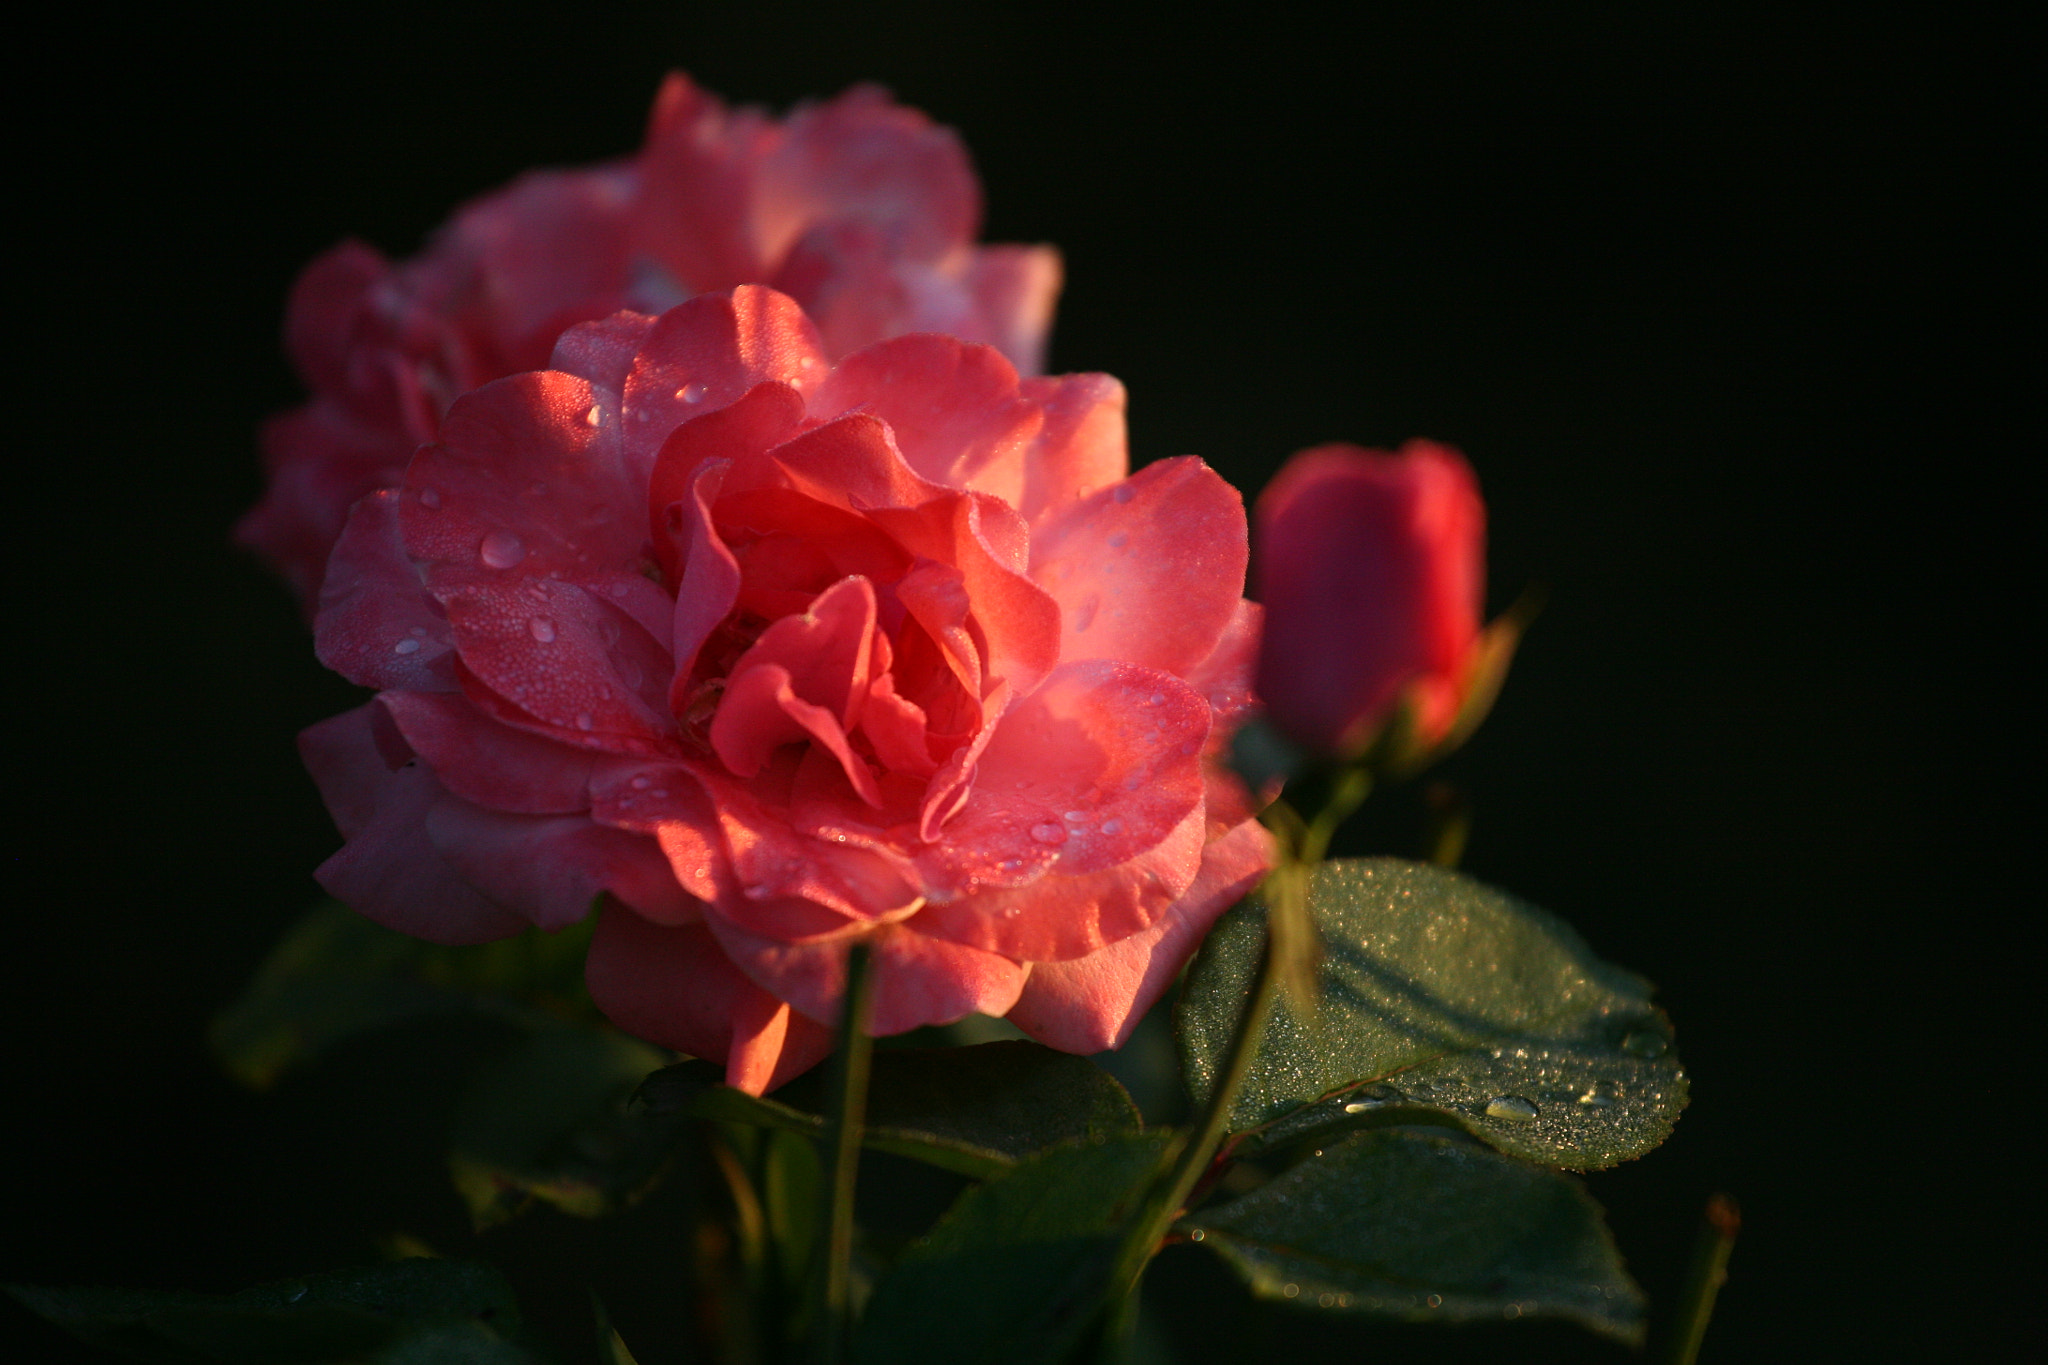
[[1091, 1004], [550, 868], [390, 870], [559, 655], [1062, 916], [1149, 570], [1225, 678], [1082, 447], [602, 352], [528, 478], [866, 158], [486, 762], [676, 987], [1109, 753], [763, 417], [917, 980], [1018, 619], [953, 409], [704, 354], [377, 625]]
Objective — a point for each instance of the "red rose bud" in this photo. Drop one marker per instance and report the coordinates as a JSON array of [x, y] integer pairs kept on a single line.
[[1371, 568]]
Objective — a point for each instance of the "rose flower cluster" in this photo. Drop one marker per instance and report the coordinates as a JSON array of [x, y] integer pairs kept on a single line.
[[715, 565]]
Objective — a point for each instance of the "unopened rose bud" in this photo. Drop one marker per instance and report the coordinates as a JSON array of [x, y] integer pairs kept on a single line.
[[1371, 568]]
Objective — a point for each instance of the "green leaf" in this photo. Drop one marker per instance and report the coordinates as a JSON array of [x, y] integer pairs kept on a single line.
[[336, 974], [404, 1313], [975, 1110], [548, 1120], [1441, 1000], [1017, 1270], [1409, 1224]]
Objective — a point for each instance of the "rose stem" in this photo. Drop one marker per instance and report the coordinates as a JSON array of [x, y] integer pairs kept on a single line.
[[1286, 890], [849, 1090], [1703, 1279]]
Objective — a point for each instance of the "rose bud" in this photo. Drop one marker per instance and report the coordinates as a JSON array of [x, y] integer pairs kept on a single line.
[[1371, 568]]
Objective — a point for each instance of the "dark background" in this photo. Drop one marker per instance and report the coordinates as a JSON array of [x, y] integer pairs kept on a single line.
[[1724, 308]]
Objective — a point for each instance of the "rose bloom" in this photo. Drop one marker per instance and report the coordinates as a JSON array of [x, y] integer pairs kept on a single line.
[[1372, 570], [860, 209], [773, 657]]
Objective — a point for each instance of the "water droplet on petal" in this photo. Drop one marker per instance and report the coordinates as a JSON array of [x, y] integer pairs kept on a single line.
[[501, 549], [594, 416], [640, 784], [1123, 492], [1049, 833], [1598, 1095], [584, 721], [430, 498], [1118, 541], [406, 646], [541, 629], [1112, 826], [691, 393], [1510, 1109]]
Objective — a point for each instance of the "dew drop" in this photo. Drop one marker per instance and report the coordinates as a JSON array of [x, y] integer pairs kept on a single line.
[[1118, 541], [1197, 1235], [501, 549], [1049, 833], [1112, 826], [1510, 1109], [1123, 492], [1645, 1043], [594, 416], [430, 498], [406, 646], [1599, 1095], [1075, 817], [691, 393], [640, 784], [1435, 1300], [541, 629], [1084, 615], [584, 721], [1290, 1290]]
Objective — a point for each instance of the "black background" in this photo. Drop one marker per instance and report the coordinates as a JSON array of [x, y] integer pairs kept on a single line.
[[1724, 308]]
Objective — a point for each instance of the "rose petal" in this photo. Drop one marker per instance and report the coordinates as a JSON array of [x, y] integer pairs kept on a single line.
[[551, 868], [377, 624], [1149, 570], [1082, 447], [917, 980], [676, 987], [389, 870], [1092, 1003], [484, 761], [953, 409]]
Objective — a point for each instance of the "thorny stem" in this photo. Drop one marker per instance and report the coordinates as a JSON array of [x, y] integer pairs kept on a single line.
[[849, 1089]]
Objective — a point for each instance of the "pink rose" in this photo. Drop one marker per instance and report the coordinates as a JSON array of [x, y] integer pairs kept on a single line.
[[777, 656], [861, 210], [1371, 568]]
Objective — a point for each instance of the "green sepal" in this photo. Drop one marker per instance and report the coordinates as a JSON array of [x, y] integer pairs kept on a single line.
[[1019, 1270], [1443, 995], [1426, 1226]]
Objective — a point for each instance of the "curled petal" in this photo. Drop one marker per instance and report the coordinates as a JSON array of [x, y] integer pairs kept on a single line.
[[1091, 1004]]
